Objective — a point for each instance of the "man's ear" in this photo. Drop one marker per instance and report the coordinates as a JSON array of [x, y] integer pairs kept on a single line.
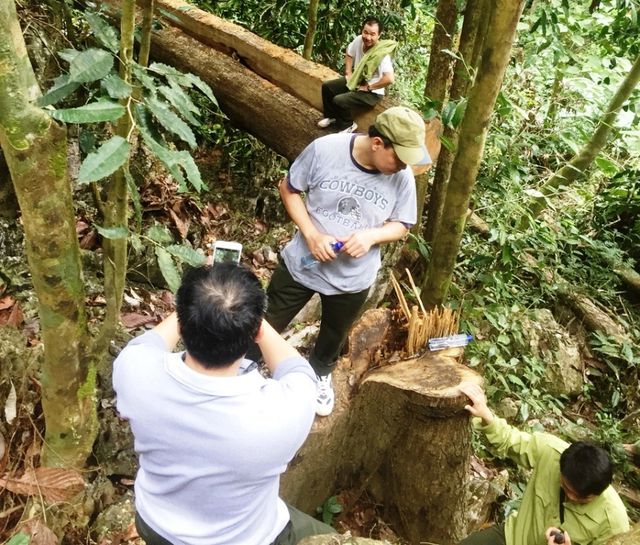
[[260, 332]]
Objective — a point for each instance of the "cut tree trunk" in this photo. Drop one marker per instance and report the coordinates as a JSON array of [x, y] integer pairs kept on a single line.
[[403, 438]]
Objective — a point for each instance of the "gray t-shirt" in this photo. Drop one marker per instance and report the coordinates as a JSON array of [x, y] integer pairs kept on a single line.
[[343, 197]]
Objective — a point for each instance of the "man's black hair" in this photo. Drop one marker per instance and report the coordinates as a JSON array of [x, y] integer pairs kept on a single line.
[[587, 468], [373, 132], [371, 20], [220, 309]]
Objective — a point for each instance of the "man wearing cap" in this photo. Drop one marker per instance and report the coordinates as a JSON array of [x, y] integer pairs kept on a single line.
[[359, 191]]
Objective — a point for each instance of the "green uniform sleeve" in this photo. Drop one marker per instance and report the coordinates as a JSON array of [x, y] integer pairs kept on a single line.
[[509, 442]]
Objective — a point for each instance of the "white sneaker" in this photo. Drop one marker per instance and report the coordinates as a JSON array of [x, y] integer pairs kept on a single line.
[[352, 128], [325, 122], [326, 396]]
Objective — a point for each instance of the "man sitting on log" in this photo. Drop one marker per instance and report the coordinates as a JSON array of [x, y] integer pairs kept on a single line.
[[212, 434], [360, 193], [368, 70], [569, 497]]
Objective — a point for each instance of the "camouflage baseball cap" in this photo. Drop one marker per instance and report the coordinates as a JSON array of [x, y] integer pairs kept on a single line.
[[405, 128]]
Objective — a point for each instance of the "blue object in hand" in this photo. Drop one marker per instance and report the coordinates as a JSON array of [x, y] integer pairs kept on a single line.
[[309, 260], [452, 341]]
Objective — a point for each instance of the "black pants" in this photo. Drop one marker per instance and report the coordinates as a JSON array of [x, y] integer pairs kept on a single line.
[[338, 101], [494, 535], [287, 297], [300, 525]]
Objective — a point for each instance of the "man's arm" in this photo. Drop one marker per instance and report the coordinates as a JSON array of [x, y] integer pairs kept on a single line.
[[273, 347], [387, 79], [319, 243], [359, 243], [348, 65], [169, 331]]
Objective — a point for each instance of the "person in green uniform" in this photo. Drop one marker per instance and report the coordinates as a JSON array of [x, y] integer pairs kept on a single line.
[[569, 491]]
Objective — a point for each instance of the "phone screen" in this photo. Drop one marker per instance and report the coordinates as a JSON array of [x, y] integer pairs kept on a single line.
[[226, 255]]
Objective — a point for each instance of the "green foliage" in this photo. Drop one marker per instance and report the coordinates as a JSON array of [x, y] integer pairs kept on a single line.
[[328, 509], [105, 161], [162, 107], [19, 539]]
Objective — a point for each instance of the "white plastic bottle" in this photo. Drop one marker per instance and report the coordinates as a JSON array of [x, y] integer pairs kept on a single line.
[[452, 341]]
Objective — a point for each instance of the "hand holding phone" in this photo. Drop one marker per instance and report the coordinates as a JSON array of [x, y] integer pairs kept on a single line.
[[226, 252]]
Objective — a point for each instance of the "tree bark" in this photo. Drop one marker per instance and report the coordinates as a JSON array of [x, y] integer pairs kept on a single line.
[[116, 206], [462, 79], [441, 62], [570, 172], [404, 424], [145, 31], [36, 151], [498, 42], [311, 29]]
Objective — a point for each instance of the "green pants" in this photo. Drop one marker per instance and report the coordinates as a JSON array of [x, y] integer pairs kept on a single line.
[[338, 101], [494, 535], [287, 297]]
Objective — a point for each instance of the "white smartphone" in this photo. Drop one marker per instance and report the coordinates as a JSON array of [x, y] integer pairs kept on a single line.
[[224, 251]]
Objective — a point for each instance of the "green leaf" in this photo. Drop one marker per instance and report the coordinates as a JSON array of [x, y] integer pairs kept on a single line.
[[188, 255], [607, 167], [103, 31], [68, 54], [19, 539], [160, 234], [448, 143], [136, 243], [87, 140], [62, 88], [95, 112], [170, 121], [116, 87], [204, 88], [180, 101], [165, 69], [113, 233], [168, 269], [166, 156], [106, 160], [190, 169], [458, 113], [141, 75], [90, 65]]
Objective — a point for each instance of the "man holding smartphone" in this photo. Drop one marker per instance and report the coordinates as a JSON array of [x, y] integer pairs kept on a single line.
[[360, 192], [213, 435]]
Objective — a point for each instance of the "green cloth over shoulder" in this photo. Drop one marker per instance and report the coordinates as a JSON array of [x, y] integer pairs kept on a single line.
[[591, 523], [370, 62]]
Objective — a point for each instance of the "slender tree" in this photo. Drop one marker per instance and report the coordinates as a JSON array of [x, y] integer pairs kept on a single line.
[[35, 148], [496, 52], [570, 172], [471, 34], [438, 75], [116, 205], [312, 25]]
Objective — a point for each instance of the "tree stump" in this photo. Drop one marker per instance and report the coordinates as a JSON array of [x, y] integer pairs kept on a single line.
[[399, 433]]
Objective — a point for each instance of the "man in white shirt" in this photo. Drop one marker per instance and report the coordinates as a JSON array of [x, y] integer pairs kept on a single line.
[[212, 434], [368, 70]]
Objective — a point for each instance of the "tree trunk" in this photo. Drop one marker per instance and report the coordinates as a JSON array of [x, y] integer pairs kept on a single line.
[[580, 162], [498, 42], [462, 79], [393, 440], [441, 62], [36, 151], [116, 207], [145, 32], [632, 537], [311, 29]]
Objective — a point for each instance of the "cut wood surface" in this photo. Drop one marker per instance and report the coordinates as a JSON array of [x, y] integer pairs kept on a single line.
[[400, 434]]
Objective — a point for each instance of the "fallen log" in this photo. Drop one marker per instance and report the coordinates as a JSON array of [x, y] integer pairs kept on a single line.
[[244, 70], [400, 434]]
